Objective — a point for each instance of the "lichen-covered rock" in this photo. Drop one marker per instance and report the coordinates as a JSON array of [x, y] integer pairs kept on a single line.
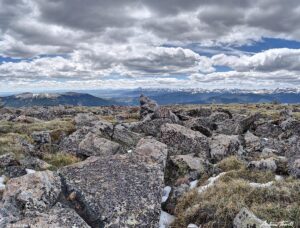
[[291, 126], [85, 119], [218, 117], [152, 127], [147, 105], [268, 164], [8, 159], [246, 218], [238, 124], [29, 194], [200, 123], [187, 166], [268, 130], [155, 150], [117, 191], [71, 143], [165, 113], [93, 145], [13, 171], [295, 167], [222, 146], [252, 142], [41, 137], [125, 137], [34, 163], [57, 217], [182, 140]]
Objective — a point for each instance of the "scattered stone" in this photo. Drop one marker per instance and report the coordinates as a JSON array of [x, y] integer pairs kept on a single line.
[[41, 137], [8, 159], [14, 171], [176, 192], [57, 217], [29, 195], [119, 190], [269, 130], [153, 149], [268, 164], [246, 218], [148, 106], [182, 140], [125, 137], [252, 142], [166, 220], [267, 152], [84, 119], [222, 146], [34, 163], [93, 145], [165, 113]]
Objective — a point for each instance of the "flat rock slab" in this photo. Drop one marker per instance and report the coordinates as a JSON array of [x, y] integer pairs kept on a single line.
[[57, 217], [116, 191]]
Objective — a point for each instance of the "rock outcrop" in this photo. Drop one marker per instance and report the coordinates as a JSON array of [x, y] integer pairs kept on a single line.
[[119, 190]]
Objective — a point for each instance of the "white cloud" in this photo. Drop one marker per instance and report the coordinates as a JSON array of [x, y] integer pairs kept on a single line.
[[101, 38], [266, 61]]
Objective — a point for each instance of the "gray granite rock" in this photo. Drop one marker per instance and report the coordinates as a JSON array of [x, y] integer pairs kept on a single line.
[[118, 190], [182, 140]]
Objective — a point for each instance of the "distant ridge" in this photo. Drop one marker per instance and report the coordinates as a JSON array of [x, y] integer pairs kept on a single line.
[[54, 99]]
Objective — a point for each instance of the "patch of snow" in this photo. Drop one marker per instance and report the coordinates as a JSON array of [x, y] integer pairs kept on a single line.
[[192, 226], [166, 193], [29, 171], [193, 184], [129, 151], [211, 182], [278, 178], [259, 185], [266, 139], [2, 185], [165, 219]]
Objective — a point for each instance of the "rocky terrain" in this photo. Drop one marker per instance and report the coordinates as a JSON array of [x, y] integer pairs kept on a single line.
[[150, 166]]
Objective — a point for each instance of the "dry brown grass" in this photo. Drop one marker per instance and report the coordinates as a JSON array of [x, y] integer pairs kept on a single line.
[[218, 206]]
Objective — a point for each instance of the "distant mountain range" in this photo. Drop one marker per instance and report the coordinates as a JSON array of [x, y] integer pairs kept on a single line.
[[162, 96], [201, 96], [54, 99]]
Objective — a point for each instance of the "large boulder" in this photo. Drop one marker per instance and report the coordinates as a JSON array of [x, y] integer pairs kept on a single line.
[[182, 140], [165, 113], [153, 149], [293, 156], [222, 146], [93, 145], [57, 217], [29, 195], [70, 144], [268, 130], [238, 124], [252, 142], [85, 119], [119, 190], [185, 166], [125, 136], [152, 127]]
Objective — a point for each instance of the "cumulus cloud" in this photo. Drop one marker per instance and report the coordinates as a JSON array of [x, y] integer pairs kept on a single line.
[[266, 61], [135, 39]]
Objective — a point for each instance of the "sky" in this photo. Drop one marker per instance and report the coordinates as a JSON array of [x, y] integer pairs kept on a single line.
[[119, 44]]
